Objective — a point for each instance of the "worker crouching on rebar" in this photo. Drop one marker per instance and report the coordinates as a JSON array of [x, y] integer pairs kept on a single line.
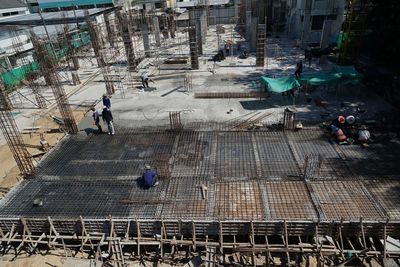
[[149, 177]]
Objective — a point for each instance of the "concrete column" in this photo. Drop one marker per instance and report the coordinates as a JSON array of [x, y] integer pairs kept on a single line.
[[203, 25], [248, 26], [306, 24], [156, 27], [146, 41], [326, 33]]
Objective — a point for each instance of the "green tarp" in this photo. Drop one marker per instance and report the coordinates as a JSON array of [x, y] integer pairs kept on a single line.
[[280, 85], [339, 75], [320, 78]]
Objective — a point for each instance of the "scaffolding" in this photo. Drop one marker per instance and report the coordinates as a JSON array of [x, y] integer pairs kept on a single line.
[[48, 64], [13, 137], [353, 29], [30, 74], [260, 52]]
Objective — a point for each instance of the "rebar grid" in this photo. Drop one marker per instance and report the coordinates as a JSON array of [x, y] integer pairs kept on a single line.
[[387, 194], [226, 163], [192, 156], [187, 199], [289, 200], [235, 156], [275, 155], [238, 200], [345, 199]]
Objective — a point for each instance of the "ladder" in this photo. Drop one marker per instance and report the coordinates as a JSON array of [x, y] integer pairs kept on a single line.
[[115, 250]]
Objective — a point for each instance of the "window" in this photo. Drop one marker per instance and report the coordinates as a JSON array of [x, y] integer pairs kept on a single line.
[[6, 14], [317, 23], [14, 13], [34, 4], [105, 5]]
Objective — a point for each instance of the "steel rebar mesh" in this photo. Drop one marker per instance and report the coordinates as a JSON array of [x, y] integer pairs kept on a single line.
[[344, 199], [238, 200], [247, 175], [288, 200]]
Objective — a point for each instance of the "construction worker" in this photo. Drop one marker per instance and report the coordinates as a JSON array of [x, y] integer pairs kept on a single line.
[[299, 70], [96, 119], [363, 134], [108, 118], [106, 101], [145, 79], [149, 177], [338, 123]]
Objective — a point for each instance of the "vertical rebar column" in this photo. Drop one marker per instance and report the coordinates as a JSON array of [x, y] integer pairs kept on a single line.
[[40, 59], [172, 26], [126, 38], [156, 27], [312, 166], [12, 135], [49, 64], [164, 29], [146, 41], [95, 38], [194, 58], [199, 36], [288, 119], [110, 30], [260, 52]]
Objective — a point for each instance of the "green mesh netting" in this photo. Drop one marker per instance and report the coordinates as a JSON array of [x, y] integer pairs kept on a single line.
[[15, 76]]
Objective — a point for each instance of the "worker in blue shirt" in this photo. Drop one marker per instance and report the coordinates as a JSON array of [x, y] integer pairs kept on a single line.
[[106, 101], [149, 177]]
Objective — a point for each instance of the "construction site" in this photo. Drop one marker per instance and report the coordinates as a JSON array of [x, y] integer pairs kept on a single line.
[[234, 106]]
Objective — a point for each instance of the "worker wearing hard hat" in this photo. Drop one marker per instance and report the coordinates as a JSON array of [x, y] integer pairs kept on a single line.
[[149, 177]]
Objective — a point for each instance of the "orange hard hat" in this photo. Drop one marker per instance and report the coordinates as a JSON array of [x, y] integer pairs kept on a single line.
[[341, 119]]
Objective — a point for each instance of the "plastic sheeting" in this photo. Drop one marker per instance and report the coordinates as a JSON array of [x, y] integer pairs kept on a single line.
[[339, 75], [280, 85]]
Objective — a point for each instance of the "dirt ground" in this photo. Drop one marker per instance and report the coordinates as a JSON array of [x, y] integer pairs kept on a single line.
[[9, 172]]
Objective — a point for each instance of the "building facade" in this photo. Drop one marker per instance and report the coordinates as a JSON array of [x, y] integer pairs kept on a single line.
[[315, 21], [12, 8], [57, 5]]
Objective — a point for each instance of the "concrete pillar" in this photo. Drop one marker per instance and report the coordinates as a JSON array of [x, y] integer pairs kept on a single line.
[[203, 25], [156, 27], [306, 24], [146, 41], [253, 35], [248, 26], [326, 33]]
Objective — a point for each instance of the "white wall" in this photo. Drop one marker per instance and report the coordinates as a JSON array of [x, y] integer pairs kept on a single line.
[[298, 29]]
